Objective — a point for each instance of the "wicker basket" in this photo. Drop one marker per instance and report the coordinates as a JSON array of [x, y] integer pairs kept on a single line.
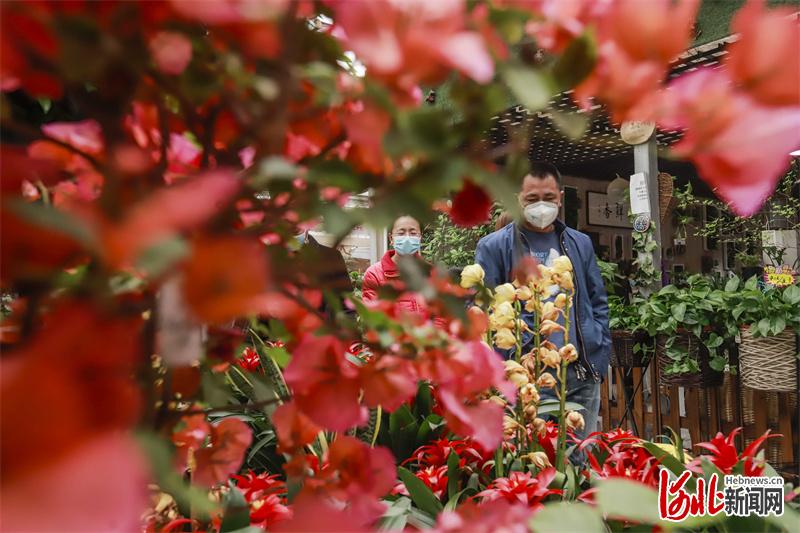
[[623, 355], [665, 189], [707, 377], [769, 363]]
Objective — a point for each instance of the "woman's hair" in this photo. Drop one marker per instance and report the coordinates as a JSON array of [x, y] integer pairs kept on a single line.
[[503, 220]]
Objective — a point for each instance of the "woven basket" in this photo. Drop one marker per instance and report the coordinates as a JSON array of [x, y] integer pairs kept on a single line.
[[707, 377], [769, 363], [665, 188], [623, 355]]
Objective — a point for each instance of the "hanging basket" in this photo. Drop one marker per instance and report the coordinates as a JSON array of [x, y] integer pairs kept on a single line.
[[707, 377], [623, 354], [769, 363], [665, 189]]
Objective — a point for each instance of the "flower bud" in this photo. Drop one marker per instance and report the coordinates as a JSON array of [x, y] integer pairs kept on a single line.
[[532, 305], [510, 426], [517, 374], [539, 427], [498, 400], [562, 264], [529, 362], [565, 281], [575, 421], [548, 327], [528, 394], [539, 460], [549, 358], [568, 353], [472, 275], [546, 381], [561, 300], [545, 273], [549, 311], [524, 293], [504, 293], [505, 339], [503, 316], [531, 410]]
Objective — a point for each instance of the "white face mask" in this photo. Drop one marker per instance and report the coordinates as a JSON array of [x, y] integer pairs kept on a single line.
[[541, 214]]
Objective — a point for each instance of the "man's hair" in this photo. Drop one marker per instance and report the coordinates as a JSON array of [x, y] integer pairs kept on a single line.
[[543, 169]]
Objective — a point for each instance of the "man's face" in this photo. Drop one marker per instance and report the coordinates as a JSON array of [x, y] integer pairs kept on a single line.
[[539, 190], [406, 226]]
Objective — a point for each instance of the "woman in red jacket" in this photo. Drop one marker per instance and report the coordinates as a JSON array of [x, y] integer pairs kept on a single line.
[[405, 240]]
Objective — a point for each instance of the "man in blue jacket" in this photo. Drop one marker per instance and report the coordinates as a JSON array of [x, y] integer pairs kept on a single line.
[[544, 237]]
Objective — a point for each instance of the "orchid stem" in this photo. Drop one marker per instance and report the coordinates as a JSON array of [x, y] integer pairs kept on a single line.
[[562, 401]]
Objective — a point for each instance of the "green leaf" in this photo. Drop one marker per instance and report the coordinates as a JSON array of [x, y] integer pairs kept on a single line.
[[423, 403], [396, 515], [453, 475], [576, 62], [628, 500], [280, 355], [403, 430], [669, 461], [717, 363], [778, 324], [763, 327], [751, 284], [533, 88], [52, 219], [572, 125], [563, 517], [791, 295], [732, 285], [679, 311], [237, 512], [552, 406], [420, 493]]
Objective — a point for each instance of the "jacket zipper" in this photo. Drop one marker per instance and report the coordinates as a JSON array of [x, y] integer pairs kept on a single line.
[[588, 365]]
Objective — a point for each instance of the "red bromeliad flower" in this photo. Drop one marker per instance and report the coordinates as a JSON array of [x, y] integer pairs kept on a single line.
[[250, 360], [435, 478], [266, 495], [522, 487], [725, 456], [470, 454]]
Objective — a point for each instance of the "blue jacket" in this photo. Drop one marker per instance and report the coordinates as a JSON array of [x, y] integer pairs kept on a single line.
[[497, 254]]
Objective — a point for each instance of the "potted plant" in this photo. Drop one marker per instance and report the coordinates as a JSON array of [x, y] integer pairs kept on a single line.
[[691, 325], [632, 345], [769, 319]]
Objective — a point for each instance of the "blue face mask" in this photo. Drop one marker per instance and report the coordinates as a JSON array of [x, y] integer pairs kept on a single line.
[[406, 244]]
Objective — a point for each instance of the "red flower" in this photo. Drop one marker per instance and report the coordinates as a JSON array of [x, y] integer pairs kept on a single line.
[[230, 439], [521, 487], [218, 289], [435, 478], [171, 51], [470, 454], [471, 206], [725, 456], [294, 428], [250, 360], [388, 381], [325, 384], [618, 453], [266, 495]]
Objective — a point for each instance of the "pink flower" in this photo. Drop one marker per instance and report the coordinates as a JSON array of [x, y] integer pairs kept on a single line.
[[86, 135], [388, 381], [171, 51], [764, 60], [79, 491], [435, 478], [412, 42], [489, 517], [294, 428], [739, 147], [230, 439], [325, 384]]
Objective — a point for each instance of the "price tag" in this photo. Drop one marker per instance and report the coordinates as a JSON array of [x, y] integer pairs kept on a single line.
[[640, 199]]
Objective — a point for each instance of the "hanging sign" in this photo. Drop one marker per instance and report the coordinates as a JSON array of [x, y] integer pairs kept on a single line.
[[779, 277], [640, 199]]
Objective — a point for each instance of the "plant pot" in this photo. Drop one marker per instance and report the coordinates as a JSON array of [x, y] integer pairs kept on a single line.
[[769, 363], [622, 353], [707, 377]]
